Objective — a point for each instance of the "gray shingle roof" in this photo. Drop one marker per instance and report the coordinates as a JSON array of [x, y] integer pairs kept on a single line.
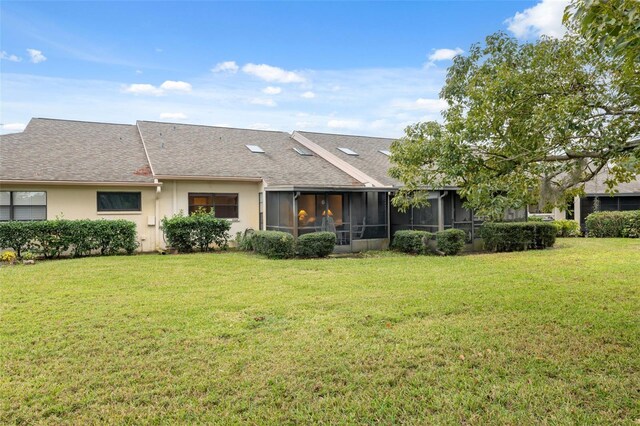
[[369, 159], [194, 150], [63, 150], [597, 186]]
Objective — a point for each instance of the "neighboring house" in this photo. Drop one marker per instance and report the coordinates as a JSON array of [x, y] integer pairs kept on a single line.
[[596, 198], [299, 183]]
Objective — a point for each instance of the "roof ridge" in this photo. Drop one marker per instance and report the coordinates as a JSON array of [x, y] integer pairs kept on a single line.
[[209, 125], [342, 134], [82, 121]]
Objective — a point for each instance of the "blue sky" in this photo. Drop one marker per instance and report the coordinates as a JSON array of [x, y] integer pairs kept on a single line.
[[344, 67]]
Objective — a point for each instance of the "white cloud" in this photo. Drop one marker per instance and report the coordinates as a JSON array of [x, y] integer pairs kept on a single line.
[[138, 72], [173, 116], [545, 18], [273, 74], [422, 104], [143, 89], [344, 124], [308, 95], [36, 56], [260, 126], [263, 101], [271, 90], [177, 86], [150, 89], [444, 54], [15, 127], [227, 66], [13, 58]]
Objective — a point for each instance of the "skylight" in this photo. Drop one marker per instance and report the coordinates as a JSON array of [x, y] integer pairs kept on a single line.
[[255, 148], [386, 152], [302, 151], [348, 151]]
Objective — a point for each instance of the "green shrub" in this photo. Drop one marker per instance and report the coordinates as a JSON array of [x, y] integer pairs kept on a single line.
[[52, 238], [15, 235], [317, 244], [410, 241], [274, 244], [567, 228], [245, 239], [614, 224], [451, 241], [201, 230], [516, 236], [632, 224]]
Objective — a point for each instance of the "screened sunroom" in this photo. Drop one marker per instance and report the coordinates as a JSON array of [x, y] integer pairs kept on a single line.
[[367, 219], [358, 218]]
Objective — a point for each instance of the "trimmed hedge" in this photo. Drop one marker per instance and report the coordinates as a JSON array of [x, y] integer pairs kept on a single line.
[[317, 244], [274, 244], [200, 231], [614, 224], [51, 238], [517, 236], [567, 228], [413, 242], [450, 241]]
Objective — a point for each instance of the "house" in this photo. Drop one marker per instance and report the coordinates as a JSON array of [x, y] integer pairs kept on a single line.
[[596, 198], [298, 183]]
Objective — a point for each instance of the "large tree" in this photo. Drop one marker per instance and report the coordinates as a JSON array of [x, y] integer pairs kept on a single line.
[[524, 123], [611, 27]]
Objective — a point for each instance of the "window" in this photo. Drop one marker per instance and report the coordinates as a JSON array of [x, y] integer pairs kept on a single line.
[[303, 151], [23, 205], [225, 206], [348, 151], [255, 149], [119, 201]]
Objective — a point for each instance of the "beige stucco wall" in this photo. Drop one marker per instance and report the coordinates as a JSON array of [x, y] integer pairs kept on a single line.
[[80, 202], [174, 197]]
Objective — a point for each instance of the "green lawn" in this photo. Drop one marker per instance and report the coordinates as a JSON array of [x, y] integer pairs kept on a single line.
[[549, 337]]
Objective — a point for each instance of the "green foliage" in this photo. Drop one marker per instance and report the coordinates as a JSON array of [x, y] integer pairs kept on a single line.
[[535, 219], [411, 241], [517, 236], [612, 27], [274, 244], [614, 224], [8, 257], [200, 231], [27, 255], [632, 224], [451, 241], [15, 235], [245, 240], [316, 244], [567, 228], [52, 238], [525, 123]]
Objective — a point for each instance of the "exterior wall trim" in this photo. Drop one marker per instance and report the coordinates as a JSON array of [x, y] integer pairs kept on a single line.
[[210, 178], [77, 183]]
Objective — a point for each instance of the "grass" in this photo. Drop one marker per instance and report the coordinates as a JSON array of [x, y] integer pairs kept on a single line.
[[547, 337]]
